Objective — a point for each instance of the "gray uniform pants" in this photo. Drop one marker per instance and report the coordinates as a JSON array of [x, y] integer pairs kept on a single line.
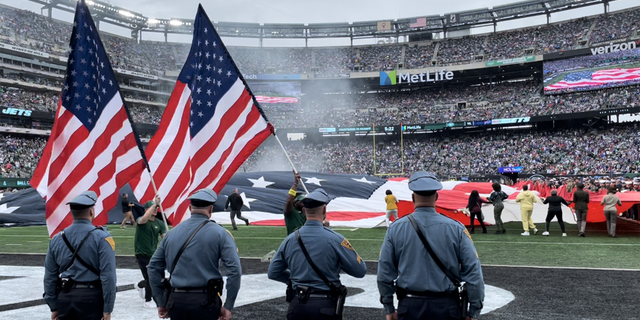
[[612, 217], [581, 219]]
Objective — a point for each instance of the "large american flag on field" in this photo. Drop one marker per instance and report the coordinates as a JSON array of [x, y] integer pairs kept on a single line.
[[595, 78], [92, 145], [211, 125]]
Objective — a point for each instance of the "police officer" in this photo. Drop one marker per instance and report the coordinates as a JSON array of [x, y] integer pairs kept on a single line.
[[81, 285], [329, 251], [405, 260], [196, 281]]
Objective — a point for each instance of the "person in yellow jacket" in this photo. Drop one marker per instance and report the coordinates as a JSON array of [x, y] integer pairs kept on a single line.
[[526, 199], [392, 206]]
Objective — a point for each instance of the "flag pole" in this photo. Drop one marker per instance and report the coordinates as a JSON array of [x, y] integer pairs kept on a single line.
[[155, 190], [291, 162]]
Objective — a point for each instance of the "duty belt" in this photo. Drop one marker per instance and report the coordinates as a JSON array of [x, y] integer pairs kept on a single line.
[[427, 294], [87, 285], [190, 290]]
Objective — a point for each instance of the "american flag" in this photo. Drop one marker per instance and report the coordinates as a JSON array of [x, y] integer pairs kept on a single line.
[[210, 126], [417, 22], [267, 99], [596, 78], [92, 144]]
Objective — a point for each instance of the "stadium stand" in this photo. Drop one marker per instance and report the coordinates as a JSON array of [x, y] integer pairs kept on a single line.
[[560, 152], [34, 31]]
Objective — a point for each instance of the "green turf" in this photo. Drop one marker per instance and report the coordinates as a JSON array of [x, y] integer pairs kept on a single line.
[[595, 251]]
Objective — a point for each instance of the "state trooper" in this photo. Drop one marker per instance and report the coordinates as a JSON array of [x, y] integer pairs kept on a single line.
[[191, 253], [424, 290], [80, 267], [312, 270]]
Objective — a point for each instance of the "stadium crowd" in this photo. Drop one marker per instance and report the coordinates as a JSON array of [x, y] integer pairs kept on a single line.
[[613, 150], [34, 31], [436, 105], [19, 155], [563, 152], [431, 105]]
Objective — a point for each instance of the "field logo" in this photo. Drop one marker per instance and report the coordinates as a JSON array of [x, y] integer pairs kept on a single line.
[[613, 48], [388, 78]]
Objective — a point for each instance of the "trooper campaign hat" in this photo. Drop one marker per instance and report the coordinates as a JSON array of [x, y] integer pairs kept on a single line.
[[203, 198], [423, 181], [316, 198], [84, 200]]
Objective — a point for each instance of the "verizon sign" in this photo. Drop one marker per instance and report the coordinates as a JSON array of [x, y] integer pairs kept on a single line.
[[613, 47]]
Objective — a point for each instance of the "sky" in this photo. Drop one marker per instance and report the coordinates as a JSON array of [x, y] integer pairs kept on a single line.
[[312, 11]]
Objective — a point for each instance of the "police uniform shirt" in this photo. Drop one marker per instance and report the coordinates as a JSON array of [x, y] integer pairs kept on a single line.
[[97, 251], [330, 251], [199, 262], [404, 259]]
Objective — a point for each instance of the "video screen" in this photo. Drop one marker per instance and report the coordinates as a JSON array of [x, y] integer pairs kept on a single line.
[[276, 91], [612, 69]]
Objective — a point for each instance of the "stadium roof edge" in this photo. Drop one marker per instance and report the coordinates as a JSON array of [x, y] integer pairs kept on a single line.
[[137, 22]]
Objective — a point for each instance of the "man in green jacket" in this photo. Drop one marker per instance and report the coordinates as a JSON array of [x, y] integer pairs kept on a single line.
[[148, 231], [293, 216]]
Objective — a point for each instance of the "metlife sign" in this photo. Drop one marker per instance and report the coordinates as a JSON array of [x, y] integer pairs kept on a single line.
[[391, 78]]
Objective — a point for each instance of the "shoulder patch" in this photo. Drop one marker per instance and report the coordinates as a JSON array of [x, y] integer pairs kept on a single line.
[[111, 243], [229, 232], [468, 235], [345, 243]]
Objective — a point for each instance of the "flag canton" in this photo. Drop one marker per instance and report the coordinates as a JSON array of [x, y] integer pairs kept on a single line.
[[577, 76], [209, 72], [90, 83]]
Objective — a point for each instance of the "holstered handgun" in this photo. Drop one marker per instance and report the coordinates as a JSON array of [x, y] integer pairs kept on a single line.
[[303, 292], [66, 284], [290, 293], [401, 293], [214, 291], [464, 300], [167, 289], [341, 296]]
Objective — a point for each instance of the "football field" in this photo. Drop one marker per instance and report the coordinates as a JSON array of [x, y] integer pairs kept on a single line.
[[535, 277], [597, 250]]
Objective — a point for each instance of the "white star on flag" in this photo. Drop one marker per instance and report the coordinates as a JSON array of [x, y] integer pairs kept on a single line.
[[315, 181], [7, 210], [363, 180], [246, 201], [260, 183]]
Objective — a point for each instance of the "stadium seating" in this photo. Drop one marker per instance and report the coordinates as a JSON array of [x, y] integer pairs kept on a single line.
[[31, 30], [560, 152]]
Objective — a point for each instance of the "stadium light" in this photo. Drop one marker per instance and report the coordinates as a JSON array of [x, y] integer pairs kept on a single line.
[[175, 22], [125, 13], [89, 2], [152, 21]]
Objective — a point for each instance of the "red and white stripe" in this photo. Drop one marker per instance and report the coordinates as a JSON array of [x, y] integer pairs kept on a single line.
[[182, 165], [76, 160]]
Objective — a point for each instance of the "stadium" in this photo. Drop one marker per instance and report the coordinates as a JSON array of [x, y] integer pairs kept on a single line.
[[545, 105]]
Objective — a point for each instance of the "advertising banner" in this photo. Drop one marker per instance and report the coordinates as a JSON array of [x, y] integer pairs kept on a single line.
[[503, 62]]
